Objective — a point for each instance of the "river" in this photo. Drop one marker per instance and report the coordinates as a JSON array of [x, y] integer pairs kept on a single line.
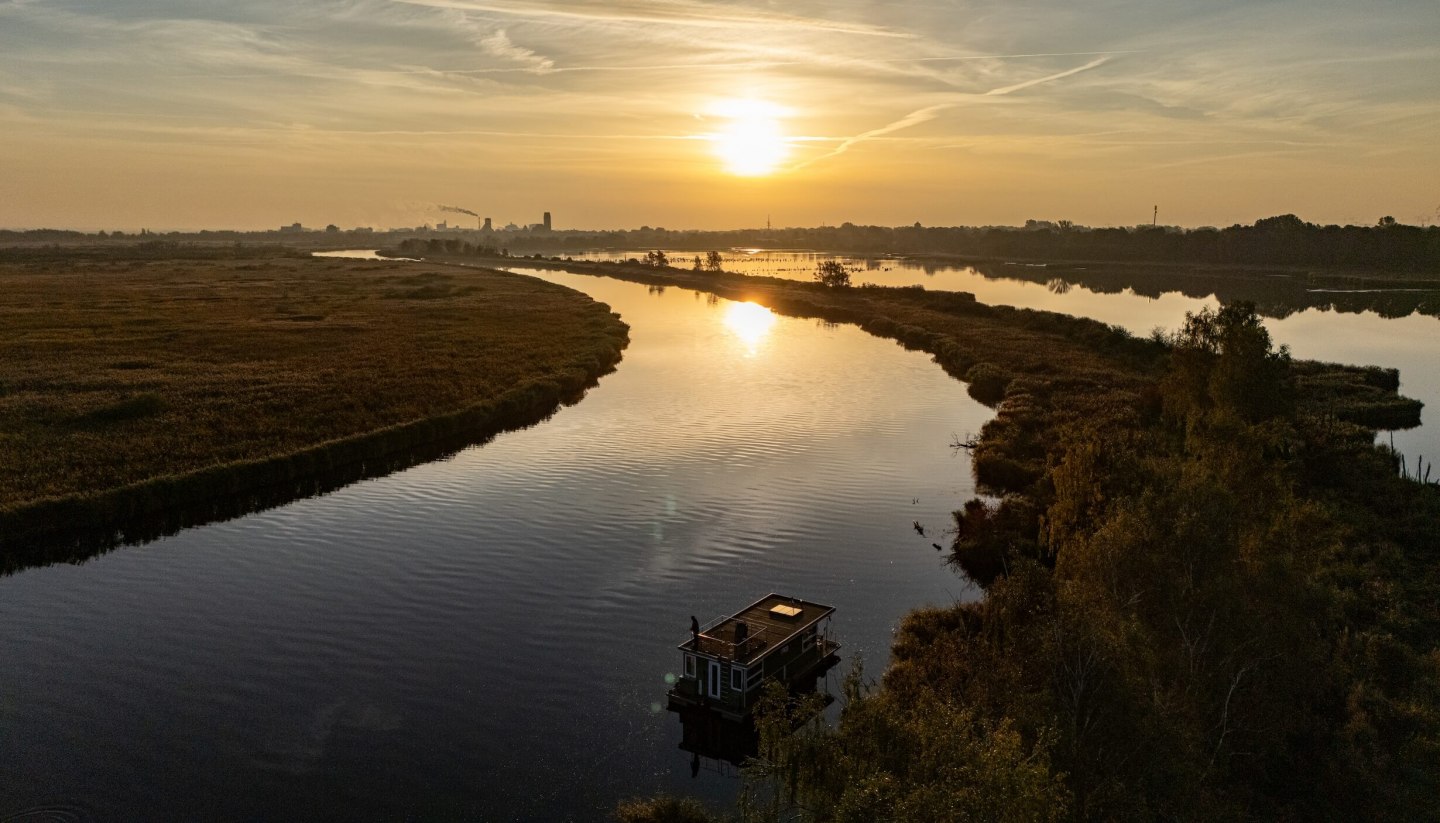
[[1394, 326], [488, 636]]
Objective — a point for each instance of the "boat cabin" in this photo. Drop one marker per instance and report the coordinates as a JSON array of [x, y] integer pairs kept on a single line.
[[725, 663]]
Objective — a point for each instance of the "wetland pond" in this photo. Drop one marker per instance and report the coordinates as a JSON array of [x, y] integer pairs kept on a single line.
[[488, 636]]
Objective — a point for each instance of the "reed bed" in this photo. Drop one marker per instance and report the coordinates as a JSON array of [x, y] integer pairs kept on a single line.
[[128, 387]]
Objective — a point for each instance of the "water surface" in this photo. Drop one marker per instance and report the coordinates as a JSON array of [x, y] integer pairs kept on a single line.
[[1395, 326], [488, 636]]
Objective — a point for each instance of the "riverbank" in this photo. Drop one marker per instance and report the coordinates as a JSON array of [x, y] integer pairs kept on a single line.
[[141, 396], [1040, 370], [1200, 573]]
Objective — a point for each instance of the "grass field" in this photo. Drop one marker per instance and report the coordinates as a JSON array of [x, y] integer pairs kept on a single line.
[[115, 374]]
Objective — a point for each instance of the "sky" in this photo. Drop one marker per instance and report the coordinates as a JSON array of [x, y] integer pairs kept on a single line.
[[189, 114]]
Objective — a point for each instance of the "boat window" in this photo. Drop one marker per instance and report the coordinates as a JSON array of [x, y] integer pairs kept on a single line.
[[737, 678], [689, 665]]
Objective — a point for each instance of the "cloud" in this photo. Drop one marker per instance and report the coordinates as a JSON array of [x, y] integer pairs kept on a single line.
[[928, 113], [500, 45], [1096, 63], [666, 13], [914, 118]]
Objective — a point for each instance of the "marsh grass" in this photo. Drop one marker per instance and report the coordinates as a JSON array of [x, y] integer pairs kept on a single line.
[[128, 390]]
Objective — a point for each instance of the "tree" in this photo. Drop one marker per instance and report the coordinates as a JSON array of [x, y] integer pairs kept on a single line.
[[699, 266], [1223, 362], [833, 273], [714, 262], [657, 259], [332, 229]]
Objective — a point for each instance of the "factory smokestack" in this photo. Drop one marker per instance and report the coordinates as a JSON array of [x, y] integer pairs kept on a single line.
[[457, 210]]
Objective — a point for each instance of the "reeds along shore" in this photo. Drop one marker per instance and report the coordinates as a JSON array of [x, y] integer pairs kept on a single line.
[[78, 527], [163, 395]]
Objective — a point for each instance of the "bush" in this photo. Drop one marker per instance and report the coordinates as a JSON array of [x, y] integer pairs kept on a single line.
[[662, 809], [833, 273], [987, 383]]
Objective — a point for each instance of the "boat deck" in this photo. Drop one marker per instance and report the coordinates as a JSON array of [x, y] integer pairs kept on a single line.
[[770, 623]]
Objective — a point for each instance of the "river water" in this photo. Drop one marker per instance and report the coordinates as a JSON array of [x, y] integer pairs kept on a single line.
[[488, 637], [1395, 327]]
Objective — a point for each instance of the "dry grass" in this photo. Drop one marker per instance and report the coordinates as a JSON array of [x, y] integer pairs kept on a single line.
[[114, 373]]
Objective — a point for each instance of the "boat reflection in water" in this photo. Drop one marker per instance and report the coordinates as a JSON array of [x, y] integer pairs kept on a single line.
[[718, 745], [727, 663]]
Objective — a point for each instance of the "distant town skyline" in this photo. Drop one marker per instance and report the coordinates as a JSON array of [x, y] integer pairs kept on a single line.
[[186, 115]]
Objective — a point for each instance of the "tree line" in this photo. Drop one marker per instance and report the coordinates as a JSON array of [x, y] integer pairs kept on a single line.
[[1284, 240]]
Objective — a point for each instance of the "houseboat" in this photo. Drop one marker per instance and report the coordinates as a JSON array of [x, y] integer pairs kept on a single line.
[[726, 663]]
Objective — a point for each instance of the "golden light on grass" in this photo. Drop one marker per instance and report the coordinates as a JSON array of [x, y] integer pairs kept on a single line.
[[282, 354], [752, 143], [750, 322]]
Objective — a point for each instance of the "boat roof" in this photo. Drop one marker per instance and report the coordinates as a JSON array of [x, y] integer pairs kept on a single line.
[[770, 622]]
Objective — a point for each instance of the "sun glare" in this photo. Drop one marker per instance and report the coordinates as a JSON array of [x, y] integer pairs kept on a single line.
[[752, 143], [750, 322]]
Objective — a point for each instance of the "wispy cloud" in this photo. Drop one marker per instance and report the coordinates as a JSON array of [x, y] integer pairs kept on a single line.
[[499, 45], [666, 13], [1096, 63], [928, 113], [491, 89], [914, 118]]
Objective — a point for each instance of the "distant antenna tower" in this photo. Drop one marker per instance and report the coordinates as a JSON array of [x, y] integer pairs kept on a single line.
[[767, 222], [1155, 217]]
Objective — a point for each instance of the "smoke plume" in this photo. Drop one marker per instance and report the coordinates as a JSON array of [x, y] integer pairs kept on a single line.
[[457, 210]]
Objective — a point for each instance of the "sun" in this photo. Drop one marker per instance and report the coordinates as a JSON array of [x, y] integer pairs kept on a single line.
[[752, 143]]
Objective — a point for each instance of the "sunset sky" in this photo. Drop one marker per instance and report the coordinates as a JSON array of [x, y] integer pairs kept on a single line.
[[693, 114]]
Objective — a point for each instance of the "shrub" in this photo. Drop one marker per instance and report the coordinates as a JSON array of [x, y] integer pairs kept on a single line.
[[832, 273]]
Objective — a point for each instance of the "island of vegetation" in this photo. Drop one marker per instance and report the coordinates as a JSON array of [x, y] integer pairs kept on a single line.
[[1209, 594], [143, 389]]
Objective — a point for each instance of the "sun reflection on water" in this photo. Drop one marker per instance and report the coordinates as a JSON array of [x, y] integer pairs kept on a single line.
[[749, 322]]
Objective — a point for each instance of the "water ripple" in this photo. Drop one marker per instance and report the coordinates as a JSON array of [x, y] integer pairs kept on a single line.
[[484, 636]]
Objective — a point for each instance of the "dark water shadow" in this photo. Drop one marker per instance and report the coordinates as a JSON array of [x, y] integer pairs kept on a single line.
[[76, 530], [722, 746]]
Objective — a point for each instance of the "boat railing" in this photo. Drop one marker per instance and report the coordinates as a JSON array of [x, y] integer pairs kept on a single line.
[[758, 639]]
